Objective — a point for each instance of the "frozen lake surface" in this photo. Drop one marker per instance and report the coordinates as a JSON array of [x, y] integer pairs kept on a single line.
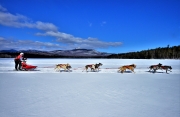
[[46, 92], [109, 65]]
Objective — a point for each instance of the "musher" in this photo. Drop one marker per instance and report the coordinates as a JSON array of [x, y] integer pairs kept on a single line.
[[18, 61]]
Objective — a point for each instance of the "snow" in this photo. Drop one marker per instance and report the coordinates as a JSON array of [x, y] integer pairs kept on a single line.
[[107, 93]]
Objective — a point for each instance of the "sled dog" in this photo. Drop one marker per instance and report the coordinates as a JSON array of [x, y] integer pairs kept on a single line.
[[130, 67], [66, 67], [97, 66], [92, 67], [153, 67]]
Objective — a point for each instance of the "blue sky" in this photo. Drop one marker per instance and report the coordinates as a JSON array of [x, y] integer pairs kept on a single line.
[[114, 26]]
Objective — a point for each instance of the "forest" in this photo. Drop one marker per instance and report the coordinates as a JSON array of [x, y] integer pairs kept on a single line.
[[157, 53]]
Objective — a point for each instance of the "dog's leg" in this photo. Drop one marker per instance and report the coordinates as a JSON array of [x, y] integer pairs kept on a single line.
[[122, 70], [56, 68], [86, 68], [132, 70], [119, 69], [66, 70], [169, 70], [83, 69], [154, 70], [150, 69], [92, 69]]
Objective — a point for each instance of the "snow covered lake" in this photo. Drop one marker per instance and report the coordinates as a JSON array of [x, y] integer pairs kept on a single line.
[[107, 93]]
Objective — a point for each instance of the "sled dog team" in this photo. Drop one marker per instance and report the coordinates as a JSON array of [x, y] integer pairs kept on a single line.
[[122, 69], [20, 64]]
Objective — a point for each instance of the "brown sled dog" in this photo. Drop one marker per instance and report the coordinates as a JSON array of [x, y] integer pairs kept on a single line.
[[153, 67], [130, 67], [167, 68], [66, 67]]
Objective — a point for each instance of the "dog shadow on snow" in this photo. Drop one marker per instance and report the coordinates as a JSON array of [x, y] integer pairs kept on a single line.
[[160, 72], [125, 72], [94, 71], [64, 71]]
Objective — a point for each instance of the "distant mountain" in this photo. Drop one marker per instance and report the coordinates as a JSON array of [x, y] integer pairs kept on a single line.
[[75, 53], [79, 52]]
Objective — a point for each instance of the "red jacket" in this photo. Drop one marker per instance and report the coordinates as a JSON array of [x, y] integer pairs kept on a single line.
[[19, 57]]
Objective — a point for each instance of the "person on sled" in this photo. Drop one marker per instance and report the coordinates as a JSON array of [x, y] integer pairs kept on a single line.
[[18, 61]]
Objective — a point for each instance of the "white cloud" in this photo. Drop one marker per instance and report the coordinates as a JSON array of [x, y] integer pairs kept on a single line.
[[27, 44], [46, 26], [76, 42], [20, 21], [69, 43]]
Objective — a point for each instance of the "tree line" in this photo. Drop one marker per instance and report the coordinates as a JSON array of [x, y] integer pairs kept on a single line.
[[157, 53]]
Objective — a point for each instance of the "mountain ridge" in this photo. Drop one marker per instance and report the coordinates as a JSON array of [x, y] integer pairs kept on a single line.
[[57, 53], [157, 53]]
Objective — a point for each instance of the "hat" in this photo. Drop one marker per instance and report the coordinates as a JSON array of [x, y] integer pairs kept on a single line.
[[21, 53]]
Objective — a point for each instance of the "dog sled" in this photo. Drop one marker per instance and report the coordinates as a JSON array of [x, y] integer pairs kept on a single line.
[[27, 67]]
